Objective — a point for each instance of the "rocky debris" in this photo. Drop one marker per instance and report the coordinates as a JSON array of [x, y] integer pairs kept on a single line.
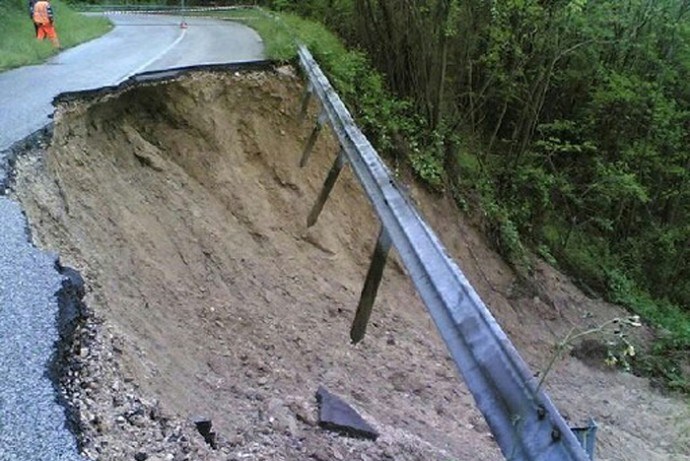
[[8, 157], [115, 421], [111, 417], [336, 415], [70, 301], [72, 312]]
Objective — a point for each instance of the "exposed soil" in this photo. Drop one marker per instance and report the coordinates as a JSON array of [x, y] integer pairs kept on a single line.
[[182, 205]]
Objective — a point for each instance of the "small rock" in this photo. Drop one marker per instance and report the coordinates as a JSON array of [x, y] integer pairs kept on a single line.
[[141, 456], [204, 425], [321, 454], [302, 411], [118, 400], [156, 413], [166, 457], [236, 440], [280, 417]]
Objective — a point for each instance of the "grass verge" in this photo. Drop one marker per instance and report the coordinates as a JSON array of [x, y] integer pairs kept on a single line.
[[382, 117], [18, 45]]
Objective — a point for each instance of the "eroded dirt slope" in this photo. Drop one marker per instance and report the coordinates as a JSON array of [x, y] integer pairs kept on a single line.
[[183, 206]]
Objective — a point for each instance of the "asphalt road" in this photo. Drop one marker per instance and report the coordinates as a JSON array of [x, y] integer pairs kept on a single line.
[[32, 424], [138, 43]]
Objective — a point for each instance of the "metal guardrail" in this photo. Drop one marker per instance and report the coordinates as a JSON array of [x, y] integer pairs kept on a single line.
[[525, 423], [157, 9]]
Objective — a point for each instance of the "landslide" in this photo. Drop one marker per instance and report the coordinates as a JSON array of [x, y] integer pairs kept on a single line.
[[182, 205]]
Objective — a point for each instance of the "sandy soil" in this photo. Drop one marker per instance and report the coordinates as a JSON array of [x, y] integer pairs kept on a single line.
[[183, 206]]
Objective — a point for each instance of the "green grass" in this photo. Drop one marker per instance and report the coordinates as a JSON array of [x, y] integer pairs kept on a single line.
[[596, 270], [381, 116], [280, 34], [19, 47]]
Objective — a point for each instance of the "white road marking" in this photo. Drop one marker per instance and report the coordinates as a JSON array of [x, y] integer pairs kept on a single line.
[[155, 58]]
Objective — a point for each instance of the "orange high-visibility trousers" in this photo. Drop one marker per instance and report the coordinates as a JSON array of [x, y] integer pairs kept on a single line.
[[48, 31]]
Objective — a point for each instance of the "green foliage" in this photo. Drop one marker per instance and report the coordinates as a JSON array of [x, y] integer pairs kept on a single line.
[[19, 47], [545, 253], [281, 5], [428, 161], [502, 230], [579, 253], [382, 116], [578, 114], [429, 166], [670, 350]]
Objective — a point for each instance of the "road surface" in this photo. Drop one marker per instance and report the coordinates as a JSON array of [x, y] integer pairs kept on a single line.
[[138, 43], [32, 424]]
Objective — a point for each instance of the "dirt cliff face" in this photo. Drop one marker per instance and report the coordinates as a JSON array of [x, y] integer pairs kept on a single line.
[[183, 206]]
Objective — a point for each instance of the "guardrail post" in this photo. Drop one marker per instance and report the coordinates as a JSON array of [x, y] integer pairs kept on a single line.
[[371, 286], [328, 184], [304, 103], [312, 139]]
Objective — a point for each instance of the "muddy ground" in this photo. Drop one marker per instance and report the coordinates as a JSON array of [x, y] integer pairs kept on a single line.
[[182, 205]]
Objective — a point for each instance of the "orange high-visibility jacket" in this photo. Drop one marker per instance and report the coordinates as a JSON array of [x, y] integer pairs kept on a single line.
[[43, 13]]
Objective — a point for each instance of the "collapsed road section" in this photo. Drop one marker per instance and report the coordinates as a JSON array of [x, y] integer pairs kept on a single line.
[[182, 204], [215, 306]]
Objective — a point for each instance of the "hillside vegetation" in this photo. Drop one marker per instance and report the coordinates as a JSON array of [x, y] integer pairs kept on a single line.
[[563, 126], [18, 45]]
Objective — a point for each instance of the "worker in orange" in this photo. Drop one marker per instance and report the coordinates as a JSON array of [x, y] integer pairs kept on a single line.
[[31, 15], [43, 17]]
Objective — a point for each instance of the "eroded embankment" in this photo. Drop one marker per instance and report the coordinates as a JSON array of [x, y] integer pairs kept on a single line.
[[183, 206]]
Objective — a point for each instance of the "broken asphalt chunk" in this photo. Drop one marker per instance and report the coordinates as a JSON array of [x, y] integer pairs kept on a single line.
[[336, 415]]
